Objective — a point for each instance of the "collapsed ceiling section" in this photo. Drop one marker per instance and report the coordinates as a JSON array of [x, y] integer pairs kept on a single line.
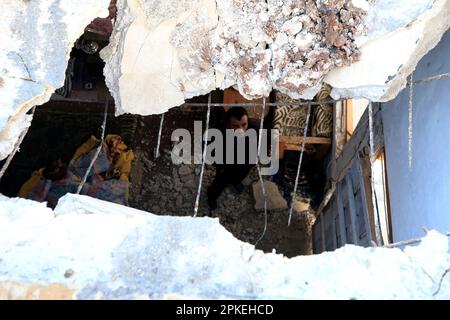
[[163, 52], [170, 51], [36, 38], [399, 34]]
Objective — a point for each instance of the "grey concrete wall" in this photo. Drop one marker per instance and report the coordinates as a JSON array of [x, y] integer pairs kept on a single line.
[[421, 198]]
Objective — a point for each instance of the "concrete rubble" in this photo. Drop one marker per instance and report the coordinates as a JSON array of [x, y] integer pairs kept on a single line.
[[91, 249]]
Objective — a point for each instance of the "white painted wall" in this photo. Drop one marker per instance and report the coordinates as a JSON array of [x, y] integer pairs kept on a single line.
[[421, 197]]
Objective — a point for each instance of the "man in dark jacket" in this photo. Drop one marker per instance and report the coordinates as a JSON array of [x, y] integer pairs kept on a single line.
[[233, 173]]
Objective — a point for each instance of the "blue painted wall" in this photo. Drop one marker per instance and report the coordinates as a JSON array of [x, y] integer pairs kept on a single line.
[[421, 198]]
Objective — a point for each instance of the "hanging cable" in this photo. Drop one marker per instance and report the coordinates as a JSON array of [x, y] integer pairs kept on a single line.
[[161, 123], [205, 145], [372, 179], [261, 181], [430, 79], [99, 148], [409, 242], [16, 147], [305, 132], [410, 122]]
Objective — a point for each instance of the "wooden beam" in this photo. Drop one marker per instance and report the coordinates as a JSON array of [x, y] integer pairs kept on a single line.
[[322, 230], [388, 198], [341, 217], [333, 224], [297, 140], [294, 143], [363, 171], [352, 209], [358, 142]]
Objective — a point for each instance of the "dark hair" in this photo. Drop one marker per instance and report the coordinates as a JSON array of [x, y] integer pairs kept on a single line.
[[236, 112]]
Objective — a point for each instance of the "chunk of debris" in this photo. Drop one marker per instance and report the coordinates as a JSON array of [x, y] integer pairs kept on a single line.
[[275, 200]]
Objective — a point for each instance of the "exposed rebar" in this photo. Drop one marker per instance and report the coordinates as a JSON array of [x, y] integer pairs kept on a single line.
[[97, 152], [268, 104], [408, 242], [205, 145], [261, 181], [161, 123], [305, 132]]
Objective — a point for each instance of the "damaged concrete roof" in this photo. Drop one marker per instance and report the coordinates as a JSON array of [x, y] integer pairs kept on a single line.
[[91, 249], [162, 52]]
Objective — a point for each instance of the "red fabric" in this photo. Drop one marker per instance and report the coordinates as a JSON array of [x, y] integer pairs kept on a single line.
[[104, 25]]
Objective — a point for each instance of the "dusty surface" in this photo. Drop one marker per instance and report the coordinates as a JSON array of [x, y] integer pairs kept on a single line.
[[92, 249], [160, 187]]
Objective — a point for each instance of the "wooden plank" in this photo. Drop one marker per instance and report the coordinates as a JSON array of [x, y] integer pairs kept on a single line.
[[341, 217], [329, 228], [337, 229], [333, 225], [362, 231], [358, 143], [316, 237], [366, 205], [360, 140], [297, 147], [388, 198], [347, 214], [298, 140], [322, 230], [352, 209], [350, 125]]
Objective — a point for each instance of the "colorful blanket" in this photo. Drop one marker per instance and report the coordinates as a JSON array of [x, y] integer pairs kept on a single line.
[[107, 180]]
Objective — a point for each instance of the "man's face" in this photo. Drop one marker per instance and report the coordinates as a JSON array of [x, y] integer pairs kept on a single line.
[[238, 125]]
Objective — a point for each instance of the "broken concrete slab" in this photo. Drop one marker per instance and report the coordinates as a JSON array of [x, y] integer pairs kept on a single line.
[[257, 46], [163, 52], [400, 33], [150, 65], [36, 38], [159, 57], [275, 200], [91, 249]]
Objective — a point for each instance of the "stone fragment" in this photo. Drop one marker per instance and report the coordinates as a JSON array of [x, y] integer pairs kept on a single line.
[[275, 200]]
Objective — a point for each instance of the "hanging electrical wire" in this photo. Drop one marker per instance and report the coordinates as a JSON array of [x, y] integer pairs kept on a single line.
[[161, 123], [261, 181], [16, 147], [372, 179], [97, 152], [430, 79], [409, 242], [197, 200], [305, 132]]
